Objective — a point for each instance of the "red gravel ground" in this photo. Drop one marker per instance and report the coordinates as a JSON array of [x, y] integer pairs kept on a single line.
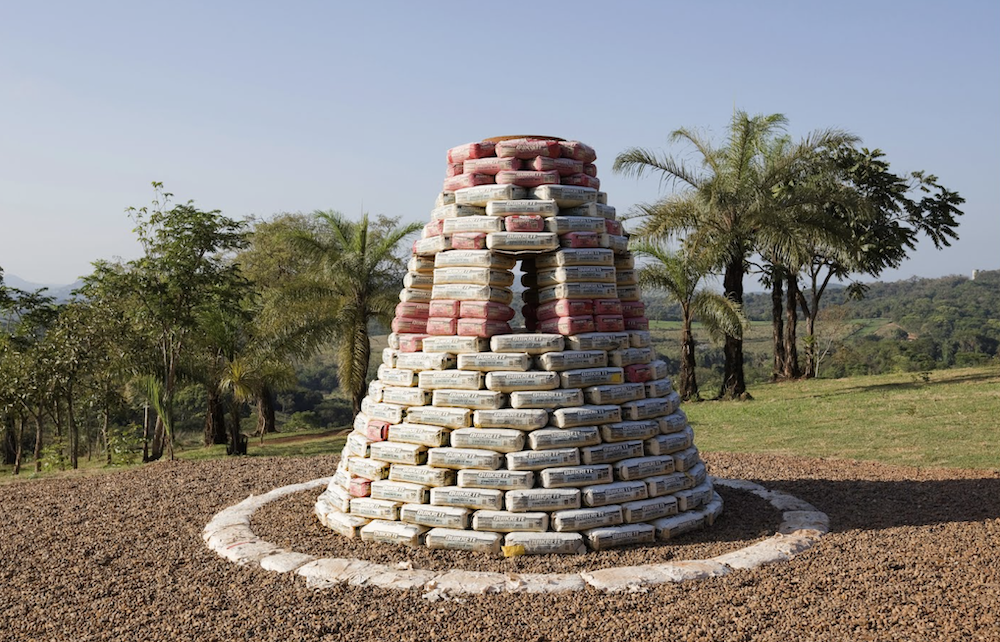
[[914, 554]]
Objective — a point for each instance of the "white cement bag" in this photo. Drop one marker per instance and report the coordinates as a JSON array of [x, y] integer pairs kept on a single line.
[[410, 295], [540, 459], [418, 281], [523, 206], [498, 479], [565, 195], [614, 393], [375, 389], [598, 341], [406, 396], [630, 431], [444, 198], [542, 499], [575, 476], [393, 533], [576, 274], [398, 453], [513, 381], [665, 484], [502, 440], [434, 516], [586, 416], [607, 453], [648, 408], [673, 422], [712, 510], [338, 498], [390, 413], [697, 475], [658, 388], [346, 525], [472, 399], [420, 265], [546, 398], [461, 540], [455, 345], [389, 357], [400, 492], [578, 291], [586, 377], [431, 245], [527, 343], [422, 475], [607, 537], [668, 444], [491, 361], [670, 527], [488, 498], [572, 360], [548, 438], [598, 210], [613, 493], [481, 195], [455, 379], [546, 543], [453, 210], [474, 258], [692, 498], [686, 459], [420, 434], [646, 510], [630, 356], [586, 518], [459, 458], [396, 376], [639, 339], [473, 224], [576, 256], [374, 508], [518, 419], [506, 522], [473, 276], [467, 292], [357, 444], [425, 361], [641, 467], [446, 417]]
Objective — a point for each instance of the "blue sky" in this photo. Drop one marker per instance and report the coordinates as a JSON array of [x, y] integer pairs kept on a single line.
[[257, 108]]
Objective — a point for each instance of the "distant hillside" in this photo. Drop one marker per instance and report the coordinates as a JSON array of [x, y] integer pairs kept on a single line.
[[60, 292]]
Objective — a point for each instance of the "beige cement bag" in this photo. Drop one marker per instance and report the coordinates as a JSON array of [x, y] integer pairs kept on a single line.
[[419, 434], [467, 497], [506, 522], [629, 293], [586, 377], [575, 256], [446, 417], [575, 476], [647, 510], [474, 258], [337, 498], [410, 295], [473, 224], [565, 195], [614, 394], [423, 475], [540, 459], [498, 479], [658, 388], [396, 377], [473, 399], [375, 508], [390, 413], [431, 245], [693, 498], [697, 475], [466, 292], [625, 277], [389, 357], [607, 537], [641, 467], [454, 210], [375, 389], [665, 484], [613, 493], [673, 422], [473, 276], [600, 210], [639, 338], [481, 195], [598, 341], [425, 361], [586, 416], [647, 408], [502, 440], [523, 206], [398, 453], [546, 543], [630, 431], [518, 419], [357, 444], [542, 499], [514, 381], [578, 291], [586, 518], [491, 361], [624, 262], [668, 444], [548, 438], [420, 265], [405, 396], [565, 224], [455, 345], [630, 356], [393, 533], [400, 492], [607, 453], [454, 379], [459, 458], [686, 459], [576, 274], [346, 525], [444, 198], [418, 281], [546, 398], [462, 540], [434, 516], [670, 527], [572, 360], [528, 343]]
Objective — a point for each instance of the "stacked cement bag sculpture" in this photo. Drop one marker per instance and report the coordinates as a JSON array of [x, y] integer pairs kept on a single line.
[[555, 438]]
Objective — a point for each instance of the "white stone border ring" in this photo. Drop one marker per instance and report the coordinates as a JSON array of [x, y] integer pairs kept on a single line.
[[229, 535]]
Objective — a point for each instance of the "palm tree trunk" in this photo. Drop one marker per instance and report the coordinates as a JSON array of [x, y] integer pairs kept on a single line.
[[9, 445], [215, 419], [74, 430], [733, 381], [19, 451], [364, 350], [688, 384], [811, 362], [38, 441], [777, 326], [105, 423], [159, 434], [265, 411], [792, 369]]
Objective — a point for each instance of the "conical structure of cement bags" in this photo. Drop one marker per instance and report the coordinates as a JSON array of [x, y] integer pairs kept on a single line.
[[561, 436]]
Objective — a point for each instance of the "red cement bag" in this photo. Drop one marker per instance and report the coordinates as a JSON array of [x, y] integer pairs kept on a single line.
[[637, 323], [466, 180], [567, 325], [527, 148], [565, 308], [359, 487], [524, 223], [565, 166], [468, 240], [481, 328], [578, 239], [454, 169], [433, 228], [412, 310], [406, 325], [577, 151], [590, 169], [491, 165], [444, 308], [609, 323], [613, 227], [607, 306], [490, 310], [412, 342], [463, 153], [527, 178], [440, 326], [638, 373], [376, 430], [581, 180], [633, 308]]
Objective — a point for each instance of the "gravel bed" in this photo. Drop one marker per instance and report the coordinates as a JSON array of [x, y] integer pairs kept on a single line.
[[912, 555]]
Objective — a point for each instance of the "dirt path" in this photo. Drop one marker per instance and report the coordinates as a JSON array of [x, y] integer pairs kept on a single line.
[[913, 555]]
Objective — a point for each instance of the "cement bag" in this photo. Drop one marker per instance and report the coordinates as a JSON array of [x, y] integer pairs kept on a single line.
[[406, 396], [613, 493], [619, 245], [585, 518], [417, 296], [513, 381], [389, 357], [630, 356], [609, 323], [481, 196], [577, 151], [624, 262], [455, 379], [576, 274], [454, 211], [639, 338], [692, 498], [640, 467], [546, 398], [582, 180], [392, 533], [567, 325], [648, 408], [346, 525], [444, 309], [490, 165], [580, 240], [411, 342], [665, 484], [524, 223], [435, 516], [548, 438], [563, 166], [598, 341], [398, 453], [472, 224], [570, 257], [712, 510], [413, 310], [455, 345], [608, 307], [506, 522], [501, 440], [375, 389], [527, 178], [375, 430], [472, 399], [482, 328], [697, 475], [614, 394], [468, 240], [454, 169], [583, 377], [474, 258], [629, 293], [465, 292], [431, 245], [540, 459], [659, 369], [574, 476], [444, 198], [668, 444], [486, 310], [422, 475], [458, 458], [441, 326], [638, 372], [614, 228], [608, 453], [434, 228], [591, 170], [607, 537], [420, 434], [462, 181], [518, 419], [572, 360], [522, 206], [527, 148], [565, 195], [463, 153], [636, 323], [585, 416], [455, 539], [564, 308], [630, 431], [487, 498], [633, 309], [374, 508], [425, 360], [337, 498], [385, 412], [342, 478], [527, 343], [490, 361], [400, 492], [498, 479], [445, 417], [565, 224], [577, 291], [542, 499], [522, 241], [547, 543], [646, 510]]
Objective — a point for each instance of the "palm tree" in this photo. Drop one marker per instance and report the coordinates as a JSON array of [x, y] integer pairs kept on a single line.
[[739, 202], [679, 274]]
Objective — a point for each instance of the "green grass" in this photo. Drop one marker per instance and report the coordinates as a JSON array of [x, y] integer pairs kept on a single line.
[[950, 420]]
